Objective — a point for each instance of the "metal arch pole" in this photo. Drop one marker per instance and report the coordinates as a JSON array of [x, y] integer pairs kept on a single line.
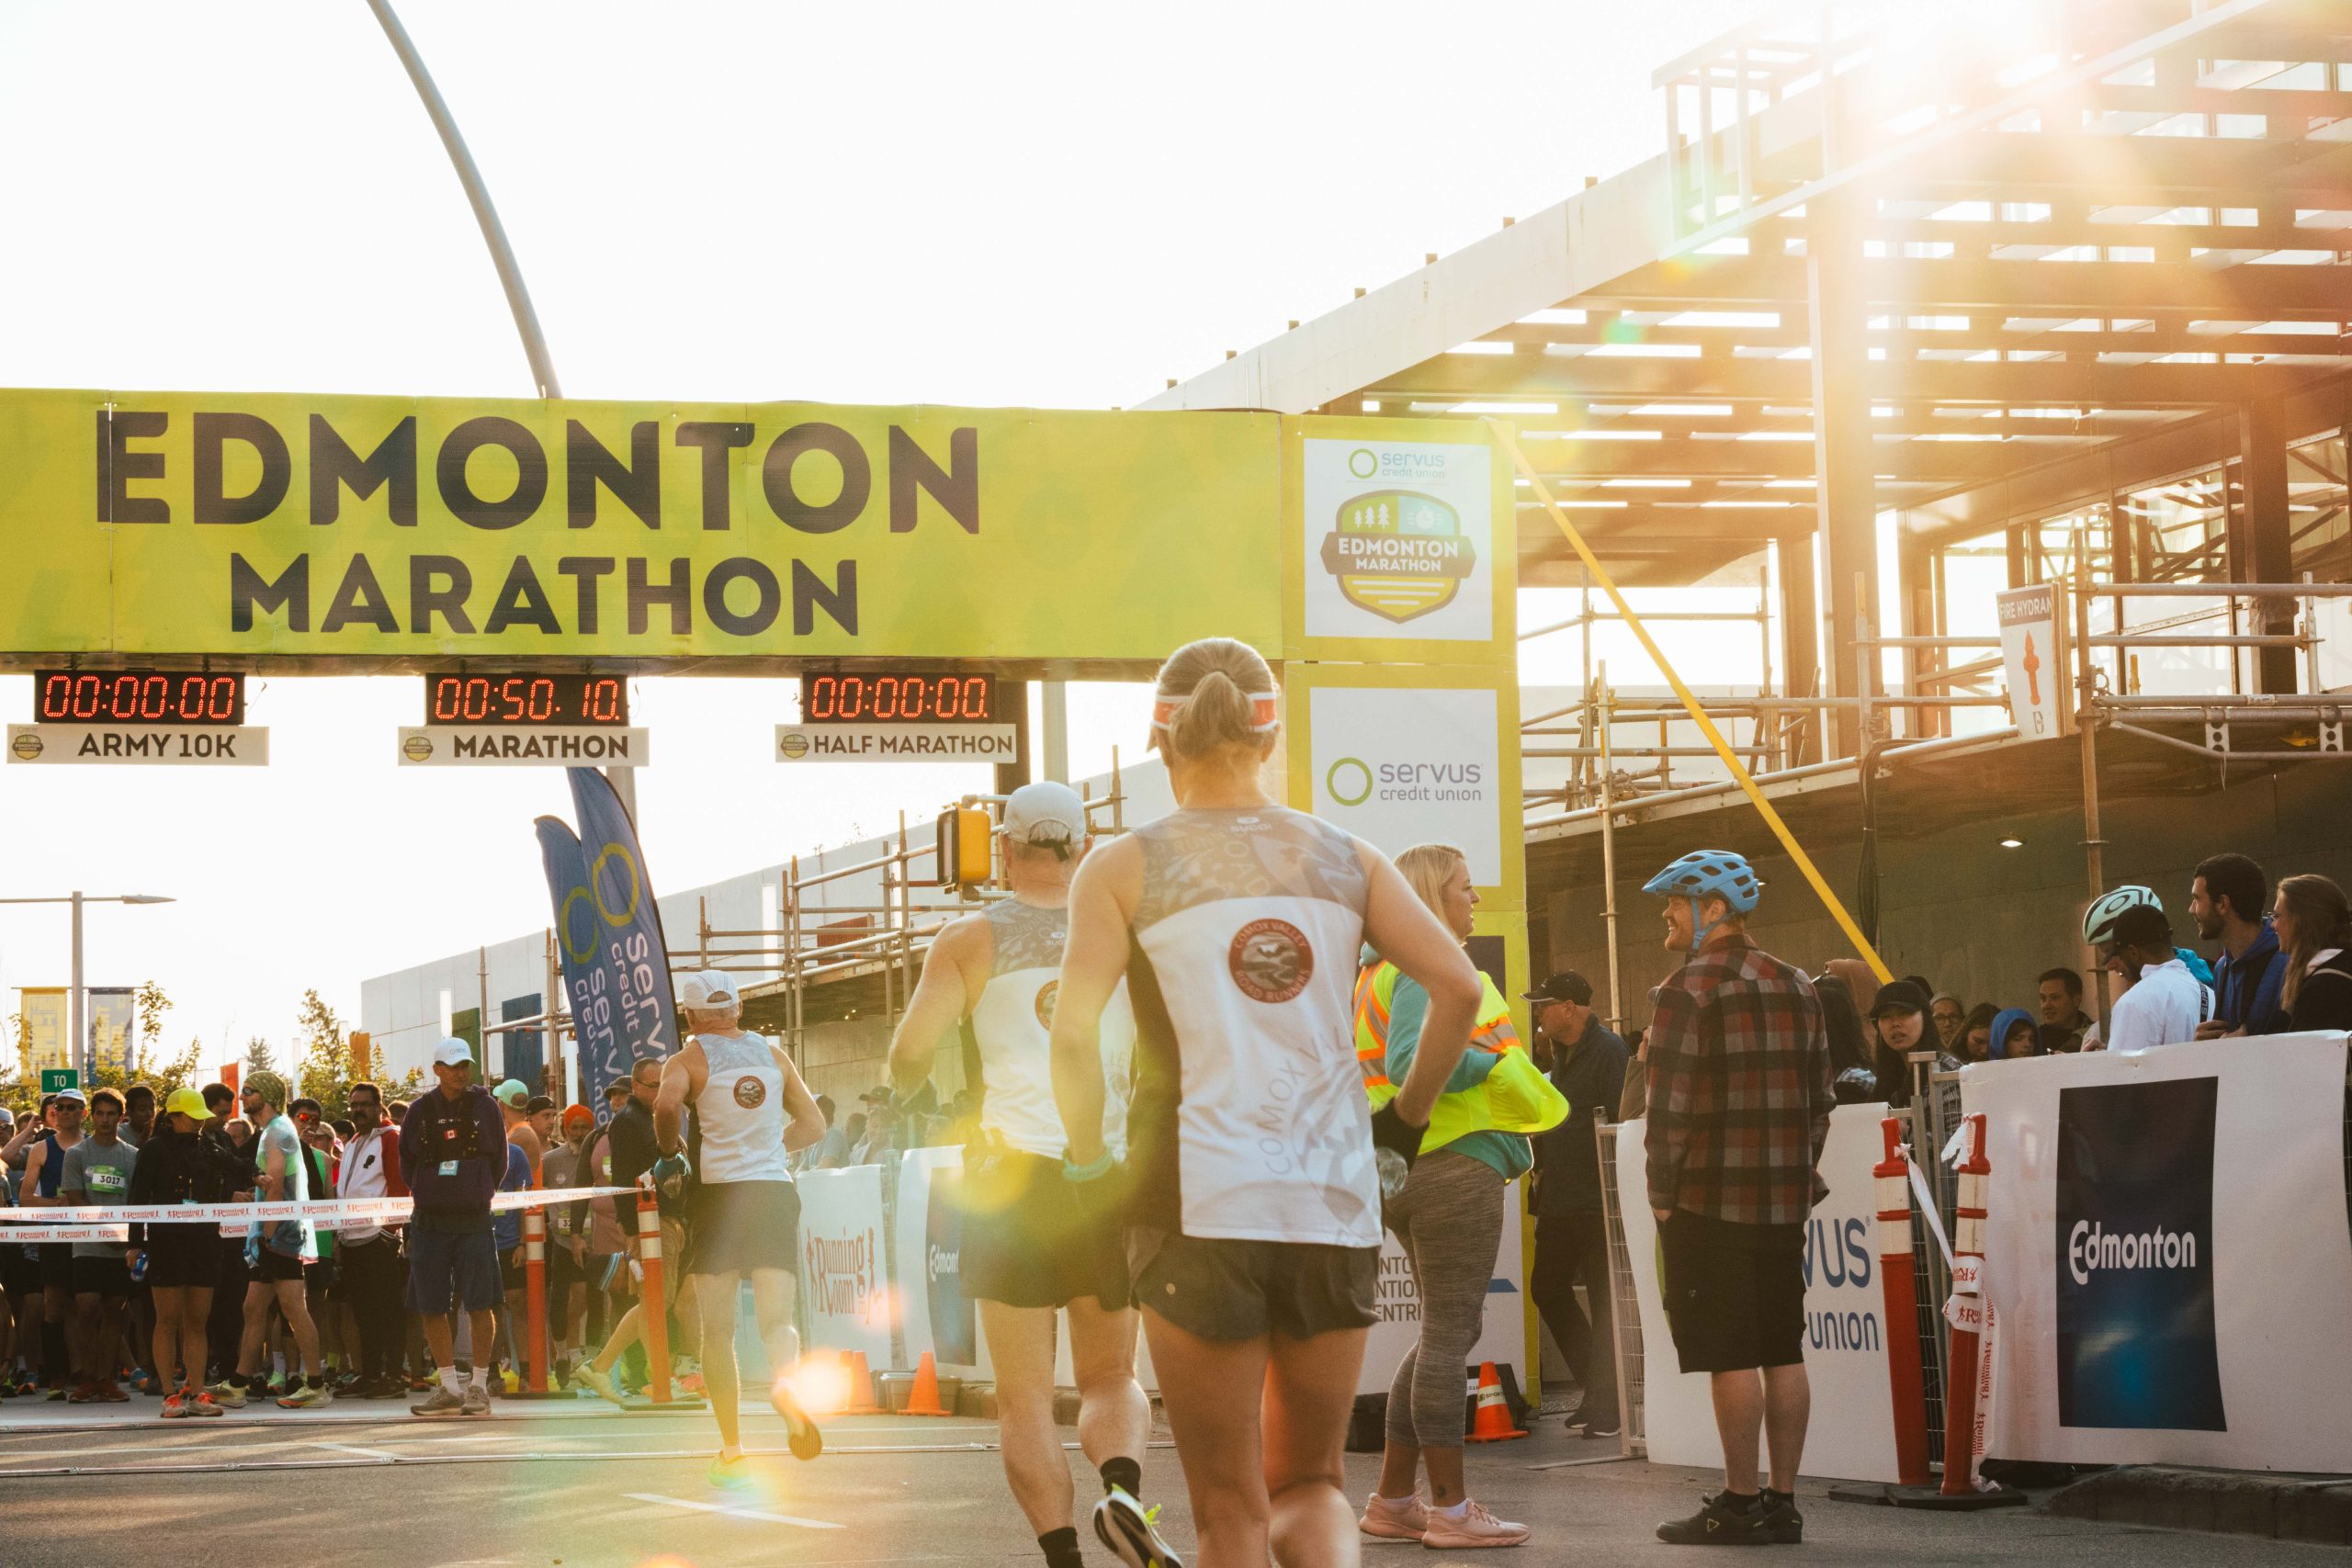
[[493, 233]]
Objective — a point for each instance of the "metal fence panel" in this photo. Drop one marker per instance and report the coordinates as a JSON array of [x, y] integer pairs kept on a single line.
[[1623, 1303]]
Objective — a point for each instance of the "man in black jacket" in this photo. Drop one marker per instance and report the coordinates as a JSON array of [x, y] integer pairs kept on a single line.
[[1586, 1064]]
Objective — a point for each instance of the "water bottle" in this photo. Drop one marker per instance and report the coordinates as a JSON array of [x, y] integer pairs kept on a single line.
[[1393, 1171], [139, 1269]]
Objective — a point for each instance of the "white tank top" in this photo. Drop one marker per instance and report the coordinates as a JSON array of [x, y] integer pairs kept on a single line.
[[739, 1115], [1250, 1117], [1013, 1027]]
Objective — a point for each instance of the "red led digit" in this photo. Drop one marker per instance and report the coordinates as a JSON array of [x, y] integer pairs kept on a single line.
[[85, 696], [885, 697], [821, 696], [224, 695], [475, 705], [444, 699], [852, 704], [975, 698]]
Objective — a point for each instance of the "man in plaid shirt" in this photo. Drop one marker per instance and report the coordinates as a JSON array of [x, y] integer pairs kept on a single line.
[[1739, 1103]]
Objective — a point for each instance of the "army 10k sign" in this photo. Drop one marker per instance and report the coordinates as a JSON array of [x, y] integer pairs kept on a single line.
[[1400, 540]]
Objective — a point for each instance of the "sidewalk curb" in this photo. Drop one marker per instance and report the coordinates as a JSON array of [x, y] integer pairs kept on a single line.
[[2271, 1506]]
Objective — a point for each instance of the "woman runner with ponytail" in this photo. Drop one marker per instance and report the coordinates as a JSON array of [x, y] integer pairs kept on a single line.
[[1250, 1193]]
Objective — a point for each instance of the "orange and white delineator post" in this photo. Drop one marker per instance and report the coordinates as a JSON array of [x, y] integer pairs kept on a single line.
[[1966, 1312], [654, 1301], [535, 1296], [1906, 1380]]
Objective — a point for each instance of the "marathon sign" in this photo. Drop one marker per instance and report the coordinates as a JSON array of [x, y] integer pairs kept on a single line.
[[399, 528], [165, 745], [522, 746]]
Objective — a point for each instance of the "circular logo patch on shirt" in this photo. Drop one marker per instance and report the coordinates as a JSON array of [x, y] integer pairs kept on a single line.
[[750, 1092], [1047, 995], [1271, 961]]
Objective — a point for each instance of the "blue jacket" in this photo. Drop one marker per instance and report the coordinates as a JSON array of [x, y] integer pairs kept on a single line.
[[2246, 989], [453, 1152]]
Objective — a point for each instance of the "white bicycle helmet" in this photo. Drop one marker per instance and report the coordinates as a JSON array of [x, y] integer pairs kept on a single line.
[[2099, 922]]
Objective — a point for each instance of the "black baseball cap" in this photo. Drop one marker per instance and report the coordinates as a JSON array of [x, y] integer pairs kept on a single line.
[[1900, 997], [1567, 986], [537, 1104]]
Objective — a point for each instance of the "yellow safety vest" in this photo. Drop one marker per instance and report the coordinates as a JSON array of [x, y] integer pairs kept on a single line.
[[1515, 1098]]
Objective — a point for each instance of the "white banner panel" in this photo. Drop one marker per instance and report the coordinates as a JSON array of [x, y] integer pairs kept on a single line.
[[1852, 1434], [2167, 1253], [844, 1280], [1502, 1327], [1401, 766], [1400, 539]]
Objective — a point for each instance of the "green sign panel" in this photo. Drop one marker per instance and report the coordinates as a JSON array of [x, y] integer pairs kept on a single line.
[[53, 1079]]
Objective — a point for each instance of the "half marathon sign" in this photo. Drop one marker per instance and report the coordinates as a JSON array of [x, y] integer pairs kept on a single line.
[[388, 528]]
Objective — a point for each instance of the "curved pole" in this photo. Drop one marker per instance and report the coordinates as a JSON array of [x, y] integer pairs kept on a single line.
[[493, 234]]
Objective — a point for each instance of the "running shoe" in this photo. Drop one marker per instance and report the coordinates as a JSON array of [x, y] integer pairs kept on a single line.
[[1604, 1426], [1394, 1518], [83, 1393], [1782, 1525], [1131, 1531], [1472, 1527], [228, 1394], [732, 1473], [440, 1402], [801, 1433], [1717, 1523], [202, 1402], [598, 1383], [57, 1392], [109, 1393], [303, 1395], [477, 1400], [173, 1410]]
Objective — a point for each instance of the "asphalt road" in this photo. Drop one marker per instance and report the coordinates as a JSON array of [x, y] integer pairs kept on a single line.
[[590, 1487]]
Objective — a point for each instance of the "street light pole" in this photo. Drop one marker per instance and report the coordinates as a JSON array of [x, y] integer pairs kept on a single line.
[[83, 1056]]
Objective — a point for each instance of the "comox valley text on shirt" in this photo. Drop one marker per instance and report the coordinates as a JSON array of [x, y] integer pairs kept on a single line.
[[1012, 1029], [1249, 1118]]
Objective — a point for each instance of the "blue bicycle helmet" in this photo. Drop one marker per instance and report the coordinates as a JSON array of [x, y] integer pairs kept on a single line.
[[1708, 874]]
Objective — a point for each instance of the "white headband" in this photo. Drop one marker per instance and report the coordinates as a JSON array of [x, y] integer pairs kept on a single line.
[[1265, 711]]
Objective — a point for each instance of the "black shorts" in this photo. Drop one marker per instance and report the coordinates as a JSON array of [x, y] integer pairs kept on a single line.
[[510, 1272], [1031, 1240], [1734, 1293], [19, 1270], [179, 1256], [57, 1266], [734, 1227], [1228, 1290], [108, 1276], [274, 1267]]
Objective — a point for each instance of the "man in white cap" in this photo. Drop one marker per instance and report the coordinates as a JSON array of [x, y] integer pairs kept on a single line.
[[453, 1152], [749, 1111], [1031, 1248]]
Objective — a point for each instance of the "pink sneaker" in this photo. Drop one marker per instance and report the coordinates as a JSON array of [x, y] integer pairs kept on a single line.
[[1473, 1527], [1394, 1518]]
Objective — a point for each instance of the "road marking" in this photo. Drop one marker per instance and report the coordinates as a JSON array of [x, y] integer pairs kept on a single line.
[[760, 1515], [348, 1449]]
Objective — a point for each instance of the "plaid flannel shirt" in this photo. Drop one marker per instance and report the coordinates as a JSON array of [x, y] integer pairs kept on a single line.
[[1739, 1088]]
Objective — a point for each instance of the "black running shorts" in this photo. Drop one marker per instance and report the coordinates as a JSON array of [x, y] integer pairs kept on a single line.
[[1226, 1289], [733, 1228], [1734, 1293], [1031, 1239]]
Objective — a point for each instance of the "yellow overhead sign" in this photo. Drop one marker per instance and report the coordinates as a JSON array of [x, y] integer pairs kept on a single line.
[[136, 522]]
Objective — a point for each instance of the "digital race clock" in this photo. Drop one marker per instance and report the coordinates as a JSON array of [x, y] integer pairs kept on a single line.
[[918, 696], [556, 701], [137, 696]]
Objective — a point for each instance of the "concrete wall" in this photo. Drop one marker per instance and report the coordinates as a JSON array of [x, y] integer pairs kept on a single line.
[[1978, 921]]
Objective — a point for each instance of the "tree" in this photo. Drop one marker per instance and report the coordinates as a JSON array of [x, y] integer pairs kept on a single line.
[[259, 1057], [325, 1074]]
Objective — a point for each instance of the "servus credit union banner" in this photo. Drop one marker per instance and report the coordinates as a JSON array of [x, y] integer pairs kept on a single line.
[[234, 523], [2167, 1255]]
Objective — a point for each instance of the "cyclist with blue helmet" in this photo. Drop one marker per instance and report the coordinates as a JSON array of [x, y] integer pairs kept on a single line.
[[1740, 1094]]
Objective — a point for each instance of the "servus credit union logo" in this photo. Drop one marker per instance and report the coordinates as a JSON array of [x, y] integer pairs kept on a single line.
[[1400, 539]]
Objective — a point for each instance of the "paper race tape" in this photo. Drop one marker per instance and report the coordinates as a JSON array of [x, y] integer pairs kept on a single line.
[[91, 1223]]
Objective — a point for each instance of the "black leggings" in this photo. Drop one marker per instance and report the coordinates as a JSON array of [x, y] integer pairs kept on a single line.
[[371, 1282]]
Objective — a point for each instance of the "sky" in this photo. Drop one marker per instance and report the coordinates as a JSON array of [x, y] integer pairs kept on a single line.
[[988, 204]]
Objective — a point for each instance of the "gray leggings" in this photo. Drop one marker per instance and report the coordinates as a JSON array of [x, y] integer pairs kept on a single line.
[[1449, 1219]]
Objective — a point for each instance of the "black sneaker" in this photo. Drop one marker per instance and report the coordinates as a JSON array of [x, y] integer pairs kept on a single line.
[[1717, 1524], [1608, 1426], [1782, 1525]]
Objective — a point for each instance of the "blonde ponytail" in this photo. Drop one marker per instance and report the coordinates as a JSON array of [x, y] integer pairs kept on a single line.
[[1212, 694]]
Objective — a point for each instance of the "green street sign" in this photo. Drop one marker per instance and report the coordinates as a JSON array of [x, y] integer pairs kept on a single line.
[[53, 1079]]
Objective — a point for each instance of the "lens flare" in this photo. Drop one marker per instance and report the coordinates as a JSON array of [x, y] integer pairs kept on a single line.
[[820, 1383]]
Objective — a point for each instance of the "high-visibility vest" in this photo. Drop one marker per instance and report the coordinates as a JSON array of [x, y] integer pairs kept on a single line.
[[1516, 1097]]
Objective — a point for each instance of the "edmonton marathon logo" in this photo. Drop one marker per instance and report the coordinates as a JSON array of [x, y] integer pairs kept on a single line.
[[2133, 1258], [1397, 553]]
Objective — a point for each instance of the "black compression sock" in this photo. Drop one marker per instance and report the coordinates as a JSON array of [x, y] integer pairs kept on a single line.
[[1741, 1502], [1771, 1497], [1060, 1547], [1125, 1474]]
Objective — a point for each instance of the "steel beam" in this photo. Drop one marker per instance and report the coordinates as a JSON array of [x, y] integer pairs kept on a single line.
[[1846, 491], [1800, 637], [2259, 548]]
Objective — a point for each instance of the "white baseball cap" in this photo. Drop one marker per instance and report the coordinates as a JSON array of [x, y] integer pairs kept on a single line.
[[1044, 813], [453, 1053], [708, 988]]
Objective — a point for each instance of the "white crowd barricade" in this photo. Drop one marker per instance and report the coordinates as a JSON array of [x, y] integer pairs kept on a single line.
[[1503, 1324], [846, 1288], [2167, 1253], [927, 1265], [1851, 1436]]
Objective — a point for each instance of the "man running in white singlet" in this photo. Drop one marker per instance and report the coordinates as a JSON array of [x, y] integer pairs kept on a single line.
[[1031, 1244], [750, 1108], [1249, 1187]]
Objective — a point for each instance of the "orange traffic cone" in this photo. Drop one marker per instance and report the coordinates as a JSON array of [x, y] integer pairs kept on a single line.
[[860, 1400], [1492, 1424], [923, 1398]]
